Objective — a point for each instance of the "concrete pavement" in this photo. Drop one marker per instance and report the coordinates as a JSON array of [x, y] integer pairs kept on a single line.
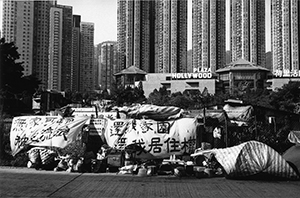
[[23, 182]]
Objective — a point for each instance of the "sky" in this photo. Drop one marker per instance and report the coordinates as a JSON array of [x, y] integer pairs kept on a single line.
[[103, 13]]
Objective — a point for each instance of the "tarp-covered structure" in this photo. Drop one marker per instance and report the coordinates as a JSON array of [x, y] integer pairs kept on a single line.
[[292, 154], [212, 115], [232, 115], [153, 131], [154, 112], [251, 158]]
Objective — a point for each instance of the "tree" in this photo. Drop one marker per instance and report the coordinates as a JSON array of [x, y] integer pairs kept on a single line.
[[30, 84], [159, 97], [10, 76], [179, 100], [121, 94], [14, 87], [258, 97], [139, 96], [287, 98], [11, 70]]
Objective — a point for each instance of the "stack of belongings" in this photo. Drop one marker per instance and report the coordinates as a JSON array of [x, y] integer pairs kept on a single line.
[[252, 159], [207, 166], [34, 158], [43, 158]]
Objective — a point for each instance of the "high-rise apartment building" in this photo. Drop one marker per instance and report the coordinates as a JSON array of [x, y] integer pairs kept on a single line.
[[18, 20], [55, 49], [208, 36], [285, 35], [107, 62], [27, 24], [75, 59], [170, 36], [50, 41], [247, 31], [121, 34], [134, 34], [87, 69], [67, 19], [152, 35], [41, 40]]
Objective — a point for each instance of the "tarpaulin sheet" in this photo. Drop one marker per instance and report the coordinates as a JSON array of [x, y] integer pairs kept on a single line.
[[240, 113], [156, 112], [292, 155], [251, 158], [213, 114]]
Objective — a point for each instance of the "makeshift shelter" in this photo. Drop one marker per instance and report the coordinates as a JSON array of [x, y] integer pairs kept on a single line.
[[212, 116], [208, 119], [251, 159]]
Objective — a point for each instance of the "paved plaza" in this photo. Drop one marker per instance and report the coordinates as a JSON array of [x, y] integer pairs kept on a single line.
[[23, 182]]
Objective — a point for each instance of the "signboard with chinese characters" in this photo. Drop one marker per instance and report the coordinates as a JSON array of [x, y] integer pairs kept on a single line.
[[285, 73], [160, 139], [198, 73], [44, 131]]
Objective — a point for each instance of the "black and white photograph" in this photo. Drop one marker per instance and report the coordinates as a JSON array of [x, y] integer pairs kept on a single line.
[[149, 98]]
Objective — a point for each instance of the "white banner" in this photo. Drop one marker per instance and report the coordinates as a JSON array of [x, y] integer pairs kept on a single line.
[[240, 113], [92, 112], [159, 138], [44, 131]]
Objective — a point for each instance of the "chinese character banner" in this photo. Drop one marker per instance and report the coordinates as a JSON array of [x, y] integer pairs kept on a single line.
[[158, 138], [44, 131]]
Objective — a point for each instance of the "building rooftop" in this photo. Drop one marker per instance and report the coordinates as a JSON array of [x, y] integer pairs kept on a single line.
[[241, 65], [131, 70]]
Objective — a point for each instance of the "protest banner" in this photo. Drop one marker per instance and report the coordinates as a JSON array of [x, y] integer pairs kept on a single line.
[[159, 138], [51, 131]]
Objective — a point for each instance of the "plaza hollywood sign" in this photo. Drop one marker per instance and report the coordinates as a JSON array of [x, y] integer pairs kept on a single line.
[[198, 73]]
